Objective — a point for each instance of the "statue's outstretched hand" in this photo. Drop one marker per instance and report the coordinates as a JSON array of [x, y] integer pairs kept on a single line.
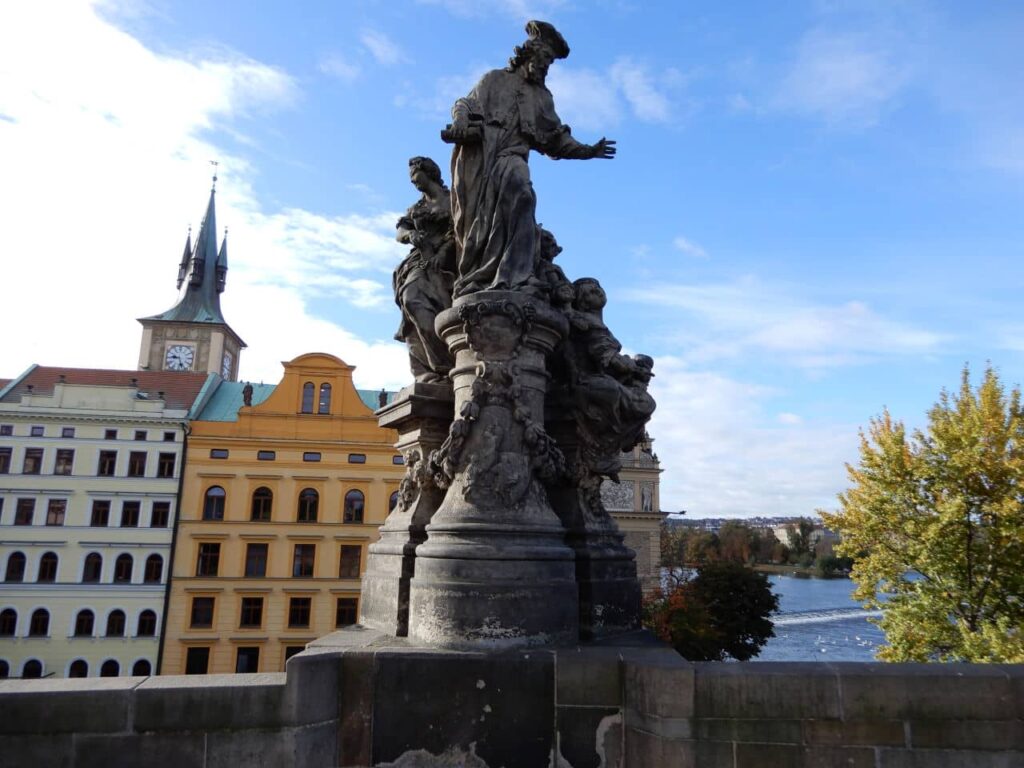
[[604, 149]]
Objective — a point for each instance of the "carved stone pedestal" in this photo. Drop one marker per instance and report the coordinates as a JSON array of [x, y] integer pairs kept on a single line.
[[495, 571], [609, 591], [422, 414]]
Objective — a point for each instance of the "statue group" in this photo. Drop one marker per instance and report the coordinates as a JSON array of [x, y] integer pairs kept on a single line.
[[500, 513]]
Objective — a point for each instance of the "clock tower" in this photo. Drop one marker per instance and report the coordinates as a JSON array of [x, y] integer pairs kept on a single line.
[[193, 334]]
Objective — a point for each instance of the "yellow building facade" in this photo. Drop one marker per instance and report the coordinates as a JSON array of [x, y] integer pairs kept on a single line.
[[279, 502]]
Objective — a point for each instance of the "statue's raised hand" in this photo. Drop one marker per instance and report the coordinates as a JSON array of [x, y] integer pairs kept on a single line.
[[604, 149]]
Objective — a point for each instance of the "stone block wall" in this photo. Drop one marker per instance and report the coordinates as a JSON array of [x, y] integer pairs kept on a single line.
[[356, 699]]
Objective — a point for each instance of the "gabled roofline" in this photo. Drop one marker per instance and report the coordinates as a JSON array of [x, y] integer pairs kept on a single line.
[[16, 381]]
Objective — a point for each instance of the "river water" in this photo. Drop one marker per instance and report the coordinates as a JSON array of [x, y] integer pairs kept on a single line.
[[818, 620]]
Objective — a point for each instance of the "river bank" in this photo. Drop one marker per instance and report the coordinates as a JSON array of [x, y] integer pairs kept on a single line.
[[797, 571]]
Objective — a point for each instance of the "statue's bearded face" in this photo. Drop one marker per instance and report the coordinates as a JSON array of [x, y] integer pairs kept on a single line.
[[538, 62]]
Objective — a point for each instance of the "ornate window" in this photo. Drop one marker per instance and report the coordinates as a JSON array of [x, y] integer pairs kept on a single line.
[[213, 504], [142, 668], [309, 502], [262, 504], [32, 669], [354, 501]]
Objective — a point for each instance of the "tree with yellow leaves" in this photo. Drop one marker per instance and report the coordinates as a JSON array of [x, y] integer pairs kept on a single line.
[[936, 522]]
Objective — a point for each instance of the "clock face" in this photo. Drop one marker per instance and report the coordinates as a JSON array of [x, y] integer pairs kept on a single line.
[[179, 357], [225, 368]]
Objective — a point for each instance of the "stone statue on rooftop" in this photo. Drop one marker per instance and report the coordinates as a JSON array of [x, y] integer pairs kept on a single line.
[[423, 281], [507, 114]]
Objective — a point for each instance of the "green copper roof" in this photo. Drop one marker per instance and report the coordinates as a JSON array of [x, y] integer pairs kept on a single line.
[[203, 275], [370, 397], [228, 398]]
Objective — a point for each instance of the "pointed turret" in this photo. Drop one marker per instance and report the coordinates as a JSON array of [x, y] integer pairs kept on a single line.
[[186, 258], [222, 263]]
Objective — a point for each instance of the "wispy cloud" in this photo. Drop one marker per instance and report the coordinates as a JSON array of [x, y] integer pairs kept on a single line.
[[638, 86], [848, 80], [689, 247], [338, 66], [381, 47], [747, 317]]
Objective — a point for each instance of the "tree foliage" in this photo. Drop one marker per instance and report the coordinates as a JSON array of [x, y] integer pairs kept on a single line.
[[936, 522], [723, 611]]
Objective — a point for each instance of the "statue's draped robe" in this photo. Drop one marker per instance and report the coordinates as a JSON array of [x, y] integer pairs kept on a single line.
[[493, 203]]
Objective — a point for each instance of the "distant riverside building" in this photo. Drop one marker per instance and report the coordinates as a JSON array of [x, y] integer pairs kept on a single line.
[[279, 503], [635, 503], [90, 462]]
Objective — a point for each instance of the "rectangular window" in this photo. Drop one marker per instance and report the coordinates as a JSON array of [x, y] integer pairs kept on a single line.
[[161, 514], [197, 660], [6, 430], [37, 432], [209, 559], [248, 659], [302, 562], [299, 609], [399, 460], [218, 453], [5, 460], [165, 465], [55, 510], [130, 514], [67, 431], [100, 514], [140, 434], [169, 437], [33, 461], [202, 613], [110, 434], [266, 455], [65, 459], [348, 609], [252, 612], [292, 650], [357, 458], [24, 512], [256, 560], [107, 464], [137, 464], [311, 456], [351, 555]]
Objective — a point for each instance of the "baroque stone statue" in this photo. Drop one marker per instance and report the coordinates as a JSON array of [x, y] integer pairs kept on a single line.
[[423, 281], [507, 114]]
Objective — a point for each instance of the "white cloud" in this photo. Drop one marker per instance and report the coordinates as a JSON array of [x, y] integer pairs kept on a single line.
[[638, 87], [338, 66], [724, 455], [381, 47], [847, 80], [584, 98], [689, 247], [104, 153], [748, 317]]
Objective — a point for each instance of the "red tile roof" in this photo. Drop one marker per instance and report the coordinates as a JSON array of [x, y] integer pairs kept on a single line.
[[5, 382], [180, 389]]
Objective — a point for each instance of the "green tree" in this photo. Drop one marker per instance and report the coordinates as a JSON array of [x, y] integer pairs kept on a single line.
[[724, 611], [936, 524], [736, 542]]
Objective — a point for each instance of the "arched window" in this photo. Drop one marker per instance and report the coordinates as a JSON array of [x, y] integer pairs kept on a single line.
[[141, 668], [32, 669], [47, 568], [354, 507], [8, 622], [83, 623], [307, 397], [93, 568], [154, 569], [15, 567], [393, 502], [39, 626], [147, 624], [309, 501], [213, 504], [5, 669], [110, 668], [123, 569], [324, 405], [262, 504], [115, 624], [79, 668]]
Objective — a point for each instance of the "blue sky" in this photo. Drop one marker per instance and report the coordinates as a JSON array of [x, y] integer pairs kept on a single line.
[[816, 210]]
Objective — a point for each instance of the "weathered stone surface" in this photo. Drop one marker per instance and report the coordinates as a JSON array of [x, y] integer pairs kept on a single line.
[[590, 737], [946, 758], [760, 731], [91, 705], [783, 691], [311, 693], [643, 749], [658, 683], [588, 676], [56, 750], [355, 710], [182, 750], [210, 702], [925, 691], [885, 733], [967, 734]]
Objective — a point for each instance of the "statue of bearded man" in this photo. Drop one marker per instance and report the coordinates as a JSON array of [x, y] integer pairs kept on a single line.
[[508, 113]]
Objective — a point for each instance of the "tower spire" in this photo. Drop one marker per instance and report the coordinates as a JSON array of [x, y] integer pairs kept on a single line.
[[186, 258]]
